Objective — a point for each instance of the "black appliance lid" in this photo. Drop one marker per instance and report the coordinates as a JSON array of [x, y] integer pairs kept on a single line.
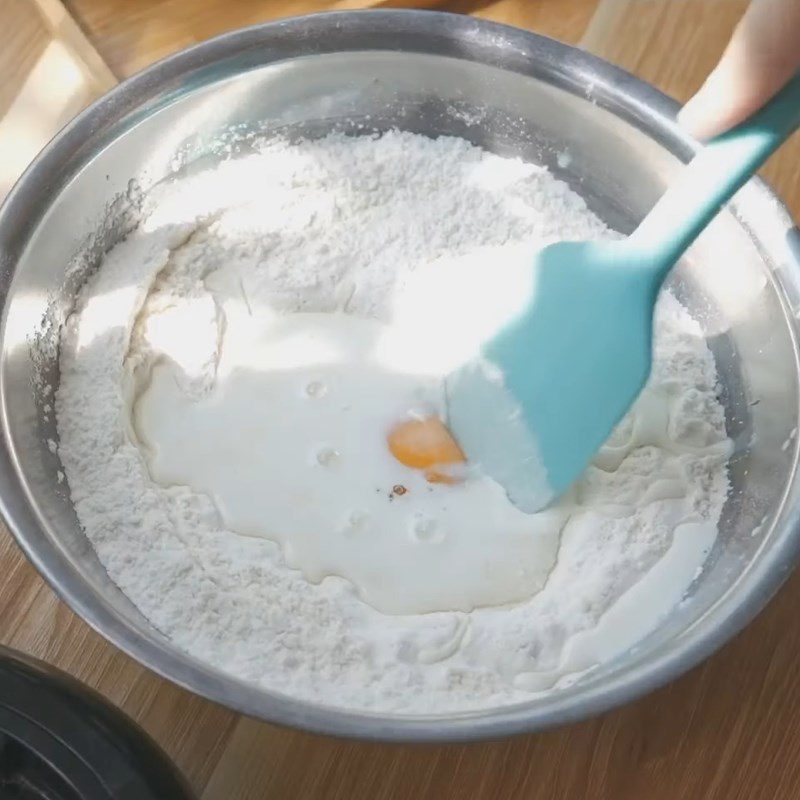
[[59, 740]]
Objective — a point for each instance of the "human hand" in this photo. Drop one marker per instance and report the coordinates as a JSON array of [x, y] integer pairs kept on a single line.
[[763, 53]]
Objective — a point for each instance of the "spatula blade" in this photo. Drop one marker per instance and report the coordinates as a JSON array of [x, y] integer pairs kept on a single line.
[[551, 384]]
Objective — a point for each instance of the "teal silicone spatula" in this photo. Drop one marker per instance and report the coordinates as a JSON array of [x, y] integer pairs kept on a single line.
[[551, 384]]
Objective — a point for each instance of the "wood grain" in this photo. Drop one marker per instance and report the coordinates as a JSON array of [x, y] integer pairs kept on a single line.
[[62, 26], [133, 33], [50, 72], [674, 45], [729, 730], [24, 40]]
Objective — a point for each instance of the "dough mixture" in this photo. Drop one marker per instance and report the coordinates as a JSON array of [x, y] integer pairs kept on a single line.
[[228, 380]]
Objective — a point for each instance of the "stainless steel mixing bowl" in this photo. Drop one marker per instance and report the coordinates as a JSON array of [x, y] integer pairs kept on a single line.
[[609, 135]]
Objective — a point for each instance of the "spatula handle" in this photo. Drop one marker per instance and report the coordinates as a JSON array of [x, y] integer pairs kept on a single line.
[[712, 178]]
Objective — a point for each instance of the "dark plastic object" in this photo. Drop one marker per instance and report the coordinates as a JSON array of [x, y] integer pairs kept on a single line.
[[61, 741]]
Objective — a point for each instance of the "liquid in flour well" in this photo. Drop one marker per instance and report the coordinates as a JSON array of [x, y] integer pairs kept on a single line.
[[291, 446], [291, 441]]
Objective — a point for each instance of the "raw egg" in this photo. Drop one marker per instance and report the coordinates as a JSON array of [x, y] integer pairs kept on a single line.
[[427, 445]]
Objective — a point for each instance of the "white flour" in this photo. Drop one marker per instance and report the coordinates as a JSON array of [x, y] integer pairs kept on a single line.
[[337, 225]]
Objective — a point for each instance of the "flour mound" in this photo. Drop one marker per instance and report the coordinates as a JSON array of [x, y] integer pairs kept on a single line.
[[338, 225]]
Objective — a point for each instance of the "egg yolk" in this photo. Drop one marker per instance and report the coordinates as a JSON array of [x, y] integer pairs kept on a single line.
[[426, 444]]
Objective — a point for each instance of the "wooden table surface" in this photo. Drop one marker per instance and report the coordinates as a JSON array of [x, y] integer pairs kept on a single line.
[[730, 729]]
